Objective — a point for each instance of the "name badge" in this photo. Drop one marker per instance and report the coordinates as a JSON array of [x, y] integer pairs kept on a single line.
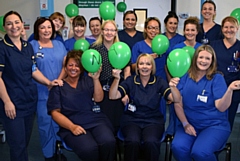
[[131, 107], [96, 108], [202, 98]]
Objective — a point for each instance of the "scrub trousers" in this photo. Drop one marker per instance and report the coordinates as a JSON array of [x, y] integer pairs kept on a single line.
[[202, 147], [48, 129], [18, 133]]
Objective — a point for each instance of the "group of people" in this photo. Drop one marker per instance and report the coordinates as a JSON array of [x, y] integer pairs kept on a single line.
[[88, 110]]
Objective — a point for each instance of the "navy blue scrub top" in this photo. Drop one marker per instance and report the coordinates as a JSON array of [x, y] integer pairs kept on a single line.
[[16, 68], [146, 99], [76, 104]]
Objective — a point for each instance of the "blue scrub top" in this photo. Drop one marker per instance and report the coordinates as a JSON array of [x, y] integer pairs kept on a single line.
[[146, 100], [129, 40], [76, 104], [215, 33], [199, 101], [174, 41], [142, 47], [69, 43], [58, 37], [49, 62], [182, 44], [16, 68]]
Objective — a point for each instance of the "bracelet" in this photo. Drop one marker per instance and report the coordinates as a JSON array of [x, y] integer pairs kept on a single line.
[[185, 124]]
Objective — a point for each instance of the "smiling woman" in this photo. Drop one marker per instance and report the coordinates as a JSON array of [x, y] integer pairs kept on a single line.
[[113, 109], [129, 34], [142, 123], [50, 63]]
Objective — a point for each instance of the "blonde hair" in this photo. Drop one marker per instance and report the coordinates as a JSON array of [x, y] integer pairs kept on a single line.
[[100, 38], [193, 70], [151, 60]]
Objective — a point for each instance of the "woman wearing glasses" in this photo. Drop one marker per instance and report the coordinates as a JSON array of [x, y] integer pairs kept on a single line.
[[79, 25], [49, 55], [113, 109]]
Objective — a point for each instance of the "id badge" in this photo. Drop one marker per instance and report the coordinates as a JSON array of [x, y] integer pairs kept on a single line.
[[106, 87], [34, 68], [204, 41], [96, 108], [232, 68], [131, 107], [202, 98]]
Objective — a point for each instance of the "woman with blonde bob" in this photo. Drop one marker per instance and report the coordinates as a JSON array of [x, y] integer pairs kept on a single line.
[[202, 109], [142, 122], [113, 109]]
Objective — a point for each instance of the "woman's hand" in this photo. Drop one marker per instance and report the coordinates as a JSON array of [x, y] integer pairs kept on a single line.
[[235, 85], [154, 55], [189, 129], [95, 75], [10, 110], [125, 100], [116, 73], [174, 82], [55, 82], [77, 130]]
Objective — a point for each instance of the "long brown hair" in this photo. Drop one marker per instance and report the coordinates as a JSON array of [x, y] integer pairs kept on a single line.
[[193, 70]]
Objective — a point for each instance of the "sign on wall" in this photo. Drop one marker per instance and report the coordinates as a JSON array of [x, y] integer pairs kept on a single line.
[[90, 3]]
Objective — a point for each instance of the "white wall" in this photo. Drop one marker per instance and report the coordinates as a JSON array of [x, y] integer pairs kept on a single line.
[[155, 8], [28, 9]]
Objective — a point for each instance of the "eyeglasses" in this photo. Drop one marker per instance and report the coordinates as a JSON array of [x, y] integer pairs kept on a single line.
[[109, 30], [152, 28]]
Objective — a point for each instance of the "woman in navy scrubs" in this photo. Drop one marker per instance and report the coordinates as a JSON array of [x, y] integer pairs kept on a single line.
[[129, 34], [203, 109], [142, 122], [83, 126], [18, 94], [228, 59], [209, 30]]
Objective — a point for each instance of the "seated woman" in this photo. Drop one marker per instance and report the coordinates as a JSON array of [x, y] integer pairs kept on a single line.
[[142, 121], [83, 126], [203, 109]]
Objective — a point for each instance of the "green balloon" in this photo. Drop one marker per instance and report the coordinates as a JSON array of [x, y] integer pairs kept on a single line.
[[91, 60], [71, 10], [121, 6], [160, 44], [1, 24], [190, 50], [81, 44], [107, 10], [119, 55], [236, 13], [178, 62]]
